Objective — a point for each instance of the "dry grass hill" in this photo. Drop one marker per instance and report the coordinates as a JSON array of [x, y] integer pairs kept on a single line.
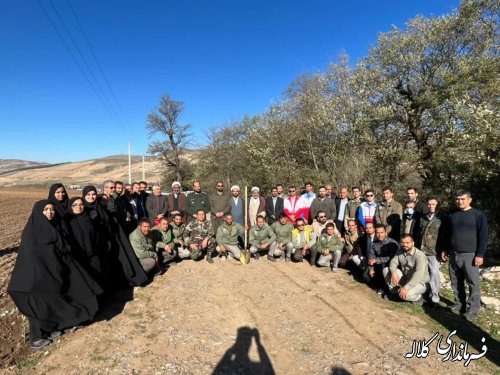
[[95, 171]]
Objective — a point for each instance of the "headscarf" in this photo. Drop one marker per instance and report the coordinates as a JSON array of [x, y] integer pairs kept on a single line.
[[60, 206], [46, 282]]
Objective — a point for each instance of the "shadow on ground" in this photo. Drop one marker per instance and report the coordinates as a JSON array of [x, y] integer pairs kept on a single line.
[[236, 360]]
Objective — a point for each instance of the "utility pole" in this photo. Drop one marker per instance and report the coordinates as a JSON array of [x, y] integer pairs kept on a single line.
[[143, 170]]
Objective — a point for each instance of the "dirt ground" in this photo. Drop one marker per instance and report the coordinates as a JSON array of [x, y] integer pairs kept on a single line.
[[227, 318]]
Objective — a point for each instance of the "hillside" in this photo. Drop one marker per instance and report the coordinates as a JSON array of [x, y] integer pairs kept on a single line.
[[8, 165], [93, 171]]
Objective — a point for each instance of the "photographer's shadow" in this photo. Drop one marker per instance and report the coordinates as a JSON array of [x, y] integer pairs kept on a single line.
[[236, 360]]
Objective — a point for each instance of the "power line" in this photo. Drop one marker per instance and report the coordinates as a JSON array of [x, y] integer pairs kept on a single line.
[[98, 92], [98, 63]]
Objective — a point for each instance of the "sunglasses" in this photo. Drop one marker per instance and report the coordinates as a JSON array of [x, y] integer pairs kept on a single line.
[[220, 185], [369, 195], [291, 191], [321, 217]]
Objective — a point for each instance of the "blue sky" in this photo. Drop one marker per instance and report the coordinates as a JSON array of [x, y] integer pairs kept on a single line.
[[222, 58]]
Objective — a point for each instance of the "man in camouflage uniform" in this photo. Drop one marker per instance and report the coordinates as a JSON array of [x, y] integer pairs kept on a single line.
[[329, 246], [228, 237], [199, 236], [283, 246], [178, 228], [261, 238], [164, 240], [197, 200], [430, 237]]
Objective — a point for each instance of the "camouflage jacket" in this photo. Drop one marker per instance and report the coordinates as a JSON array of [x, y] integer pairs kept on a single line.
[[228, 235], [162, 238], [430, 234], [332, 243], [178, 232], [196, 231]]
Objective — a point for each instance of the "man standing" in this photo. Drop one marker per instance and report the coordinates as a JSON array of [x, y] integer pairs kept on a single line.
[[430, 239], [329, 191], [305, 202], [219, 205], [283, 246], [340, 206], [390, 213], [469, 237], [164, 240], [379, 255], [256, 206], [281, 193], [329, 246], [274, 206], [199, 236], [291, 205], [156, 205], [197, 200], [353, 205], [136, 202], [323, 204], [420, 207], [261, 238], [367, 209], [303, 240], [237, 205], [407, 274], [229, 235], [176, 202]]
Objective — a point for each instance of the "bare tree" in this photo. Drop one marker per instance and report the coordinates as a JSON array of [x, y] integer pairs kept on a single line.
[[164, 120]]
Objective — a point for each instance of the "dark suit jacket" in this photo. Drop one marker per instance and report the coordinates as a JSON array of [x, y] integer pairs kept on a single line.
[[156, 206], [274, 211]]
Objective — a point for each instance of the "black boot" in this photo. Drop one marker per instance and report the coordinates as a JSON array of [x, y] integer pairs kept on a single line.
[[209, 258], [271, 258]]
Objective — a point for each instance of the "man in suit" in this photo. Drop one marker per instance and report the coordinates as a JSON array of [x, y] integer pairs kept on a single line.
[[274, 206], [340, 207], [156, 205]]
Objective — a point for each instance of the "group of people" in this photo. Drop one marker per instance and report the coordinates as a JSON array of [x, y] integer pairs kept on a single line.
[[128, 234]]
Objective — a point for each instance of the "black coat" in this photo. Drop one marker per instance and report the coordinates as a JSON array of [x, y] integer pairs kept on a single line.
[[47, 283], [274, 211]]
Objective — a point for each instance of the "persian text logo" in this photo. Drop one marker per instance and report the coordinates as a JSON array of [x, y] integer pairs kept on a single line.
[[452, 352]]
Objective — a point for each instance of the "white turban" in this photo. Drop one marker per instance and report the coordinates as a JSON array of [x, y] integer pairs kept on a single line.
[[235, 187], [176, 183], [255, 188]]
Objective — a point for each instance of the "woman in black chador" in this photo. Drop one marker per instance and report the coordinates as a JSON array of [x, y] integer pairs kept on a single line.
[[121, 264], [85, 239], [59, 198], [47, 285]]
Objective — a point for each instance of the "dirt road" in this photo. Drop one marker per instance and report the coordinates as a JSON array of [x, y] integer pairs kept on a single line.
[[260, 318]]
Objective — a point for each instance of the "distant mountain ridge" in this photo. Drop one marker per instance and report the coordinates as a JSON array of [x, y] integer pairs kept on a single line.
[[15, 172], [7, 165]]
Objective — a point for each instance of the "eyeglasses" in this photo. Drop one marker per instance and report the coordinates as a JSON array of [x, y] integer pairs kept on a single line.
[[291, 191], [369, 195], [321, 217], [220, 185]]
